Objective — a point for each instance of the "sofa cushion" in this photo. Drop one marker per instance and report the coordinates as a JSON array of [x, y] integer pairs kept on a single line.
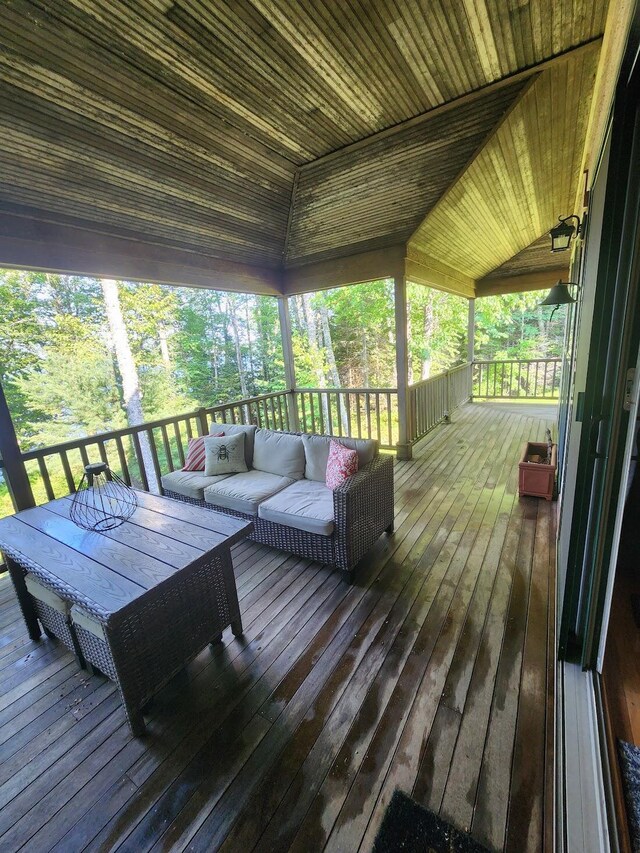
[[279, 453], [244, 492], [195, 454], [249, 431], [190, 484], [89, 623], [224, 455], [306, 505], [316, 452], [342, 464], [47, 596]]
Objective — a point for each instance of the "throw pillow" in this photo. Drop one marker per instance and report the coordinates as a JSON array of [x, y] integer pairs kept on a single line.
[[195, 453], [224, 455], [342, 463]]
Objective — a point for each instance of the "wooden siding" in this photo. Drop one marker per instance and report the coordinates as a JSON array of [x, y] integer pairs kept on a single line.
[[429, 674], [379, 193], [522, 180]]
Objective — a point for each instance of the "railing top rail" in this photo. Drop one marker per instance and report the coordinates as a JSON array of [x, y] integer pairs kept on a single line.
[[110, 435], [236, 403], [515, 360], [349, 390]]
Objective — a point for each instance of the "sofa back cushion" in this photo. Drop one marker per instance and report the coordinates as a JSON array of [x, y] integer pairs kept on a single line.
[[249, 432], [224, 455], [279, 453], [316, 452]]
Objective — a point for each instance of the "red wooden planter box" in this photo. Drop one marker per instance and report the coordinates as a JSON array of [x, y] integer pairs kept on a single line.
[[537, 479]]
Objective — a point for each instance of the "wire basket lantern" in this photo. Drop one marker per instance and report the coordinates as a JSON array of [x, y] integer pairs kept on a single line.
[[103, 501]]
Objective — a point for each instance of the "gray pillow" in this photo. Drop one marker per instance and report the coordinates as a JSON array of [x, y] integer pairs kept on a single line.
[[316, 451], [279, 453], [224, 455]]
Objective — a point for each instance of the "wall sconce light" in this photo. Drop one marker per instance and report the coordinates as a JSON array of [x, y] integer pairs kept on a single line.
[[560, 295], [562, 233]]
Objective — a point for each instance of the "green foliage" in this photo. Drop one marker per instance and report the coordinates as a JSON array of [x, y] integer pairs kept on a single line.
[[515, 326]]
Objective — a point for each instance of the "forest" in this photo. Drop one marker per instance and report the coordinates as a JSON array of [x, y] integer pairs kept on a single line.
[[80, 356]]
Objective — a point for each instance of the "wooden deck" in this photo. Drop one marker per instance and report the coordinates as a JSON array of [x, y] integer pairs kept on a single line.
[[429, 674]]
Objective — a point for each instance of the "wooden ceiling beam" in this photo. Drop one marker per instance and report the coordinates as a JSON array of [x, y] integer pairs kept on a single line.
[[32, 244], [354, 269], [425, 270], [541, 280]]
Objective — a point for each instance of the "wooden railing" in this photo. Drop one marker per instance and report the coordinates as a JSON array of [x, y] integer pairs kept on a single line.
[[356, 412], [433, 399], [527, 379], [56, 470]]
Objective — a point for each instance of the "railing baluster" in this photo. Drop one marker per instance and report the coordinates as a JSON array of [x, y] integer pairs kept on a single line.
[[84, 455], [348, 405], [179, 447], [138, 451], [67, 471], [123, 461], [367, 408], [167, 447], [46, 480], [154, 455], [379, 432], [389, 419], [358, 415]]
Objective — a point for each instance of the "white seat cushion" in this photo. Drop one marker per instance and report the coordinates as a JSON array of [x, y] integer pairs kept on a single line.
[[47, 596], [89, 623], [316, 452], [307, 505], [191, 484], [244, 492]]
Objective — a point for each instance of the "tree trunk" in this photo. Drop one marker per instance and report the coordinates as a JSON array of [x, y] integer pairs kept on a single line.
[[128, 372], [164, 347], [428, 334], [331, 362], [231, 306], [312, 335]]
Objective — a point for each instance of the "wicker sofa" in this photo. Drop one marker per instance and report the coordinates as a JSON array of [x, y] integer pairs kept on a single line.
[[285, 496]]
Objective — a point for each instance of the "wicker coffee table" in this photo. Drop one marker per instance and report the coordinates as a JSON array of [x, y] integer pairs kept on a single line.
[[138, 602]]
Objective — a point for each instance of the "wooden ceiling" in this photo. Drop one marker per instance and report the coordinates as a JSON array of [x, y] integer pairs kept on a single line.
[[273, 134]]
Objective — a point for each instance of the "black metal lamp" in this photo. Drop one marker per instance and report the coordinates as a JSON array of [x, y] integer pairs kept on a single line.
[[102, 501], [562, 233], [559, 294]]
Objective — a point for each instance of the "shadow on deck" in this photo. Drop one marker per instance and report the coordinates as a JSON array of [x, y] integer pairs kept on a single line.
[[429, 674]]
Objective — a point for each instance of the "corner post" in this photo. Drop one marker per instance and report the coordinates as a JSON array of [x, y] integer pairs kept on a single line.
[[14, 468], [289, 364], [471, 342], [405, 433]]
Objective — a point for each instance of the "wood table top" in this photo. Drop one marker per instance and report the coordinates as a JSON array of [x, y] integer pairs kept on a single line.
[[107, 571]]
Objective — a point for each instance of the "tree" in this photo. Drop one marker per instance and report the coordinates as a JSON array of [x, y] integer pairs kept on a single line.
[[132, 399]]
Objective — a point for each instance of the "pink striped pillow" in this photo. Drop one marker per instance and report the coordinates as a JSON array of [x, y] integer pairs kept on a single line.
[[195, 452]]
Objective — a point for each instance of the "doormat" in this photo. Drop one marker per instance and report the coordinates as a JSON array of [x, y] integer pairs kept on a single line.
[[409, 827], [630, 768]]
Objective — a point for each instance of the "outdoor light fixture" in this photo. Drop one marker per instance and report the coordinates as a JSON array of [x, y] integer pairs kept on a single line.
[[563, 232], [559, 295]]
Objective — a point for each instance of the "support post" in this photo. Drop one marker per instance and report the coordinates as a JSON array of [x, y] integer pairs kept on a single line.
[[14, 470], [405, 435], [289, 364], [471, 342]]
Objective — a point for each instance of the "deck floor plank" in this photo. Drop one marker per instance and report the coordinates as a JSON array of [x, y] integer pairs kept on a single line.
[[430, 674]]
